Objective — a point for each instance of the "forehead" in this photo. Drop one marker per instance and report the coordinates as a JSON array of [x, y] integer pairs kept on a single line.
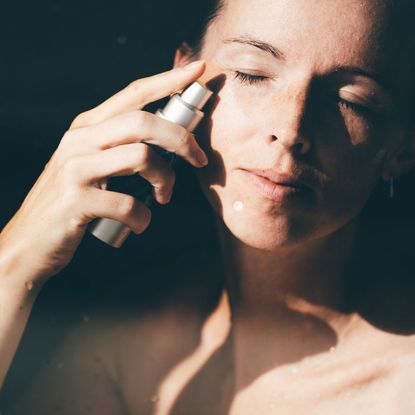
[[370, 34]]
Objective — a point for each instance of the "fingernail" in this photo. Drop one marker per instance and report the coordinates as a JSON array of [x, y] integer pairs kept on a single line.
[[201, 158], [193, 65]]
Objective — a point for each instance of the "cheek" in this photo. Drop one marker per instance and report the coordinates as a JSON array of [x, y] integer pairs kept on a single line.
[[225, 135], [228, 136], [352, 173]]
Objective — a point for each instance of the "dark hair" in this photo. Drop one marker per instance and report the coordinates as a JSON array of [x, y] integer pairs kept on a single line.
[[197, 22]]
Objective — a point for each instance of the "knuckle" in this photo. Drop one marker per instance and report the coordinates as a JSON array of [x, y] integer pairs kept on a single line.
[[68, 136], [71, 197], [184, 136], [127, 206], [141, 119], [71, 137], [72, 167], [135, 85], [80, 120], [141, 157], [166, 182], [145, 220]]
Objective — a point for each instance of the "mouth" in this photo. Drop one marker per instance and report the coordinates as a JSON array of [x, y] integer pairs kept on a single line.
[[282, 179], [278, 187]]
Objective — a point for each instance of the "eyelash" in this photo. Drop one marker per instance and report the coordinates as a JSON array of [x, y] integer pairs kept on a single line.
[[359, 109], [245, 78], [249, 79]]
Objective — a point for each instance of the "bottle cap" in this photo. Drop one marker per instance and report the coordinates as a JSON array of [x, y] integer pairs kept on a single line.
[[196, 95]]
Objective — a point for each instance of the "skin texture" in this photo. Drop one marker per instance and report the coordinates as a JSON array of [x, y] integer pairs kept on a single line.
[[311, 321]]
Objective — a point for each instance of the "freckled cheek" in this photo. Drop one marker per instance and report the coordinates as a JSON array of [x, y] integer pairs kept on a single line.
[[230, 127]]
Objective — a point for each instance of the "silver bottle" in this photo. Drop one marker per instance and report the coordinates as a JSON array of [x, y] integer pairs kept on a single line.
[[184, 109]]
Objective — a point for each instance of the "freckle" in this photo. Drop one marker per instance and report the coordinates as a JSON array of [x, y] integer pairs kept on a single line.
[[238, 206]]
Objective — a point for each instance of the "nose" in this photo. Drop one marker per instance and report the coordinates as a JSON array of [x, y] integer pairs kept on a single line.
[[289, 116]]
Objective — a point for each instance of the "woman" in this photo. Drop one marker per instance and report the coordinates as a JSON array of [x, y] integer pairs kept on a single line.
[[314, 109]]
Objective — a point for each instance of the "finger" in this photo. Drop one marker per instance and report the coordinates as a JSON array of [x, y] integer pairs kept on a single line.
[[138, 127], [117, 206], [130, 159], [141, 92]]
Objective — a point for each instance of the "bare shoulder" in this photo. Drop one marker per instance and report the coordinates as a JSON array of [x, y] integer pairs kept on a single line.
[[114, 358], [77, 377]]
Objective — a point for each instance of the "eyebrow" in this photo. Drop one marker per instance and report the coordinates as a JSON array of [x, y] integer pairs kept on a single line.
[[266, 47], [278, 54]]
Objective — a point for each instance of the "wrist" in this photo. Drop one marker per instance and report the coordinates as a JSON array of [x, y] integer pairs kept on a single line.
[[15, 274]]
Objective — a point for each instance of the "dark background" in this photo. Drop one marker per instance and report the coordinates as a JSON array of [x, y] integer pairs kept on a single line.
[[59, 58]]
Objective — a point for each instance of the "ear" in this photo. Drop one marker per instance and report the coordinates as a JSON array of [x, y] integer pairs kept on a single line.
[[403, 160], [183, 56]]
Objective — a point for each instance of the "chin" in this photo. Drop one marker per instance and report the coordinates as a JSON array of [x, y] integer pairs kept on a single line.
[[266, 233], [260, 227]]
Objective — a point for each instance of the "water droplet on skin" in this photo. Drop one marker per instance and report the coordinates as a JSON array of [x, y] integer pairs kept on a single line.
[[29, 285], [295, 370], [155, 399], [238, 206], [332, 349]]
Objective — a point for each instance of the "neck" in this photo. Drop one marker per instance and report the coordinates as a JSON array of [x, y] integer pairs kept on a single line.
[[290, 303], [314, 273]]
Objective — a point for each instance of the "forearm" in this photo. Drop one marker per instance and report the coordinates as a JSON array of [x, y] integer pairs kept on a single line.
[[17, 294]]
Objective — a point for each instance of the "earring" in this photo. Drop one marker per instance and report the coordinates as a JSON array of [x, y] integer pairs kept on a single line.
[[391, 188]]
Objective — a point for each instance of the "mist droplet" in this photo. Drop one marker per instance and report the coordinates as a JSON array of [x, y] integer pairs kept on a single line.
[[121, 39], [238, 206], [85, 317]]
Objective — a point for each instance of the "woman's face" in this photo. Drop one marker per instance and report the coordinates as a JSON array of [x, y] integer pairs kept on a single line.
[[310, 93]]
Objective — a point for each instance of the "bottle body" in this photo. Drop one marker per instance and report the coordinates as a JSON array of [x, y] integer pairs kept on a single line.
[[184, 109]]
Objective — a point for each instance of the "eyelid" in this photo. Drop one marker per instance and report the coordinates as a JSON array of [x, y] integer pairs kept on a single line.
[[355, 98], [249, 78]]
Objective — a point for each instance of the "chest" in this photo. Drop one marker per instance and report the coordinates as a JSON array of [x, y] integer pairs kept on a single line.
[[205, 384], [290, 396]]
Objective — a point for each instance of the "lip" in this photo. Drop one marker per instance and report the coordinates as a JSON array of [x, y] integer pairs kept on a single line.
[[278, 178], [275, 186]]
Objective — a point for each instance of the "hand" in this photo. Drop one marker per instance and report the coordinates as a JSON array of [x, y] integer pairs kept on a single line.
[[102, 142]]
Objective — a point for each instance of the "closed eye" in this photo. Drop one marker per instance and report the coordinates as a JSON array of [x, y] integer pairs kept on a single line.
[[249, 79], [357, 108]]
